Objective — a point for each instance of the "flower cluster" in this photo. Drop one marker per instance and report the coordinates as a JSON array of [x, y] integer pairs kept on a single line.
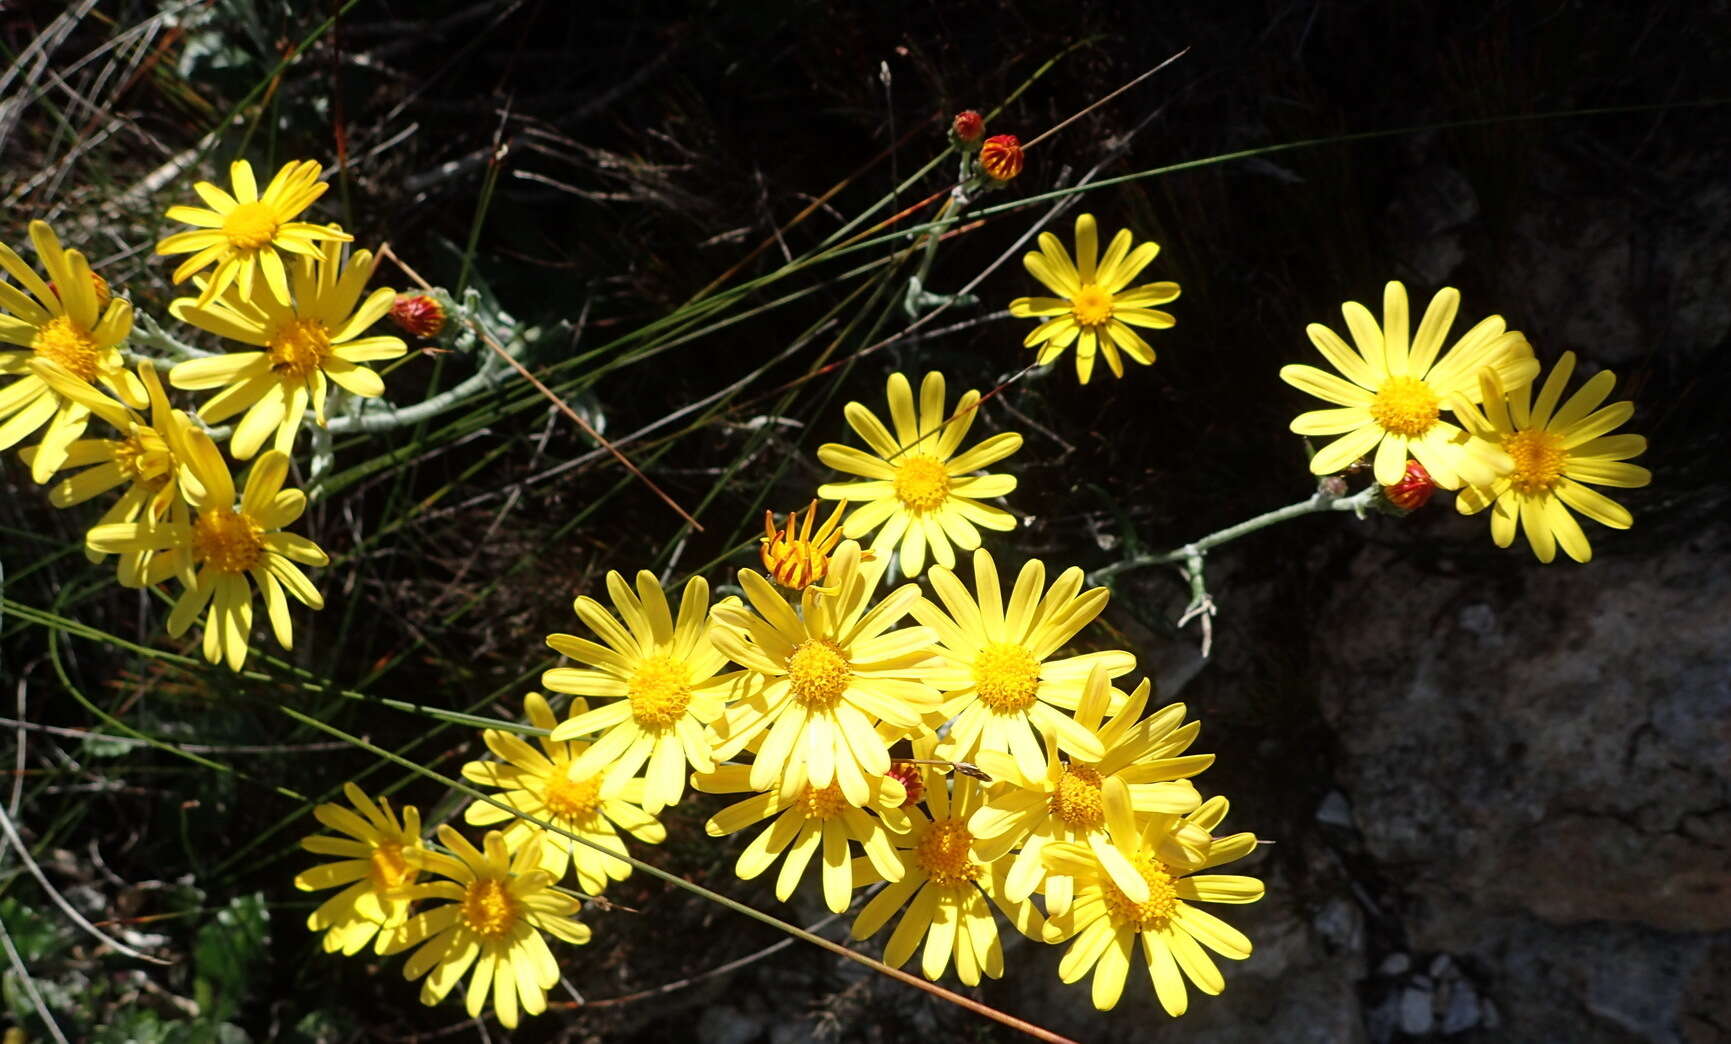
[[464, 907], [941, 744], [1528, 461], [279, 286]]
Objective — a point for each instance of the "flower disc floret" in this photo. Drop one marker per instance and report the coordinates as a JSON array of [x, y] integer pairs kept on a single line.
[[1156, 913], [1406, 406], [1539, 457], [1077, 800], [250, 226], [824, 803], [1008, 677], [660, 692], [1091, 306], [69, 346], [388, 868], [818, 673], [943, 853], [488, 908], [573, 798], [922, 484], [231, 541], [297, 347]]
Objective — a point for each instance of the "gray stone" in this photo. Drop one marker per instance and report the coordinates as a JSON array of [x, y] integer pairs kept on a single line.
[[1460, 1012], [1415, 1010], [1335, 811], [1394, 964], [725, 1024]]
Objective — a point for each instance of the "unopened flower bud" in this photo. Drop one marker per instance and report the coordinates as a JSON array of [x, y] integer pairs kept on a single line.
[[909, 776], [418, 315], [103, 293], [1001, 157], [968, 128], [1414, 489], [796, 557]]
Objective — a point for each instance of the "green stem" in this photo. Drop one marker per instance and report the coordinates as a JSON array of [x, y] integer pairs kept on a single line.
[[1321, 500], [1189, 557]]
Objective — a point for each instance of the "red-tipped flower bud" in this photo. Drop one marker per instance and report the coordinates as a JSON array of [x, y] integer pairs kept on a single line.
[[103, 293], [1001, 157], [968, 127], [418, 315], [1413, 490], [908, 775]]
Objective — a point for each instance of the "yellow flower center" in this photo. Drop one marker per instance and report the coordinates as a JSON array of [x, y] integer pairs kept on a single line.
[[1162, 896], [922, 483], [660, 691], [1091, 306], [299, 346], [1405, 406], [488, 908], [942, 852], [572, 798], [1539, 458], [229, 540], [818, 673], [1077, 799], [826, 803], [389, 868], [144, 457], [65, 343], [1007, 677], [250, 225]]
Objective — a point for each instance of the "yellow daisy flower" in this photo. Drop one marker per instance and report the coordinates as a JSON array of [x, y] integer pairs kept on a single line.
[[823, 678], [1068, 804], [539, 783], [242, 234], [1554, 451], [916, 483], [1105, 922], [65, 325], [497, 909], [374, 861], [306, 337], [819, 819], [668, 674], [997, 675], [1092, 309], [945, 889], [216, 552], [1393, 395], [143, 459]]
